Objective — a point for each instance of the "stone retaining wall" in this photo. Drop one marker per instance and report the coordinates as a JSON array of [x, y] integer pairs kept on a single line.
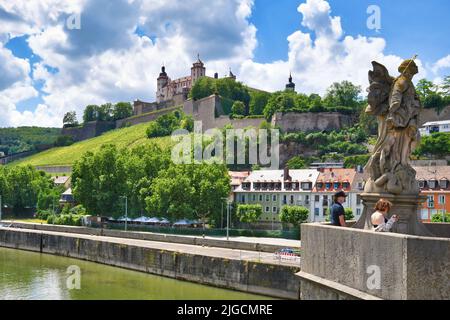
[[253, 277], [239, 245], [410, 267]]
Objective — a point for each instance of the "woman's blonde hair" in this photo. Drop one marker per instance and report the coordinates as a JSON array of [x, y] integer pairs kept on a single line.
[[383, 205]]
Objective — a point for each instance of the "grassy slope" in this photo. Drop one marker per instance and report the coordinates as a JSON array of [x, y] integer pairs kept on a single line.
[[122, 138]]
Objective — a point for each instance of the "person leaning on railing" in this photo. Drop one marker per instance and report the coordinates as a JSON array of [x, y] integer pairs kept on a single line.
[[379, 219]]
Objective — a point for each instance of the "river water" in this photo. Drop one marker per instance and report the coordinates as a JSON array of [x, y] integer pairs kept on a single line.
[[35, 276]]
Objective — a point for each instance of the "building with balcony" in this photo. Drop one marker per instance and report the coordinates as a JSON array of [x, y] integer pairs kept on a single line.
[[435, 126], [434, 183], [275, 188], [332, 180]]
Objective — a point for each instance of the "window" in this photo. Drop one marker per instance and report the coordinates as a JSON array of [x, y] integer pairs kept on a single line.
[[243, 198], [430, 201], [358, 212], [306, 186], [441, 199], [274, 209], [360, 185], [346, 185], [328, 185], [267, 209], [443, 183], [336, 185], [267, 198], [260, 197], [424, 214], [284, 199], [421, 184], [319, 185], [316, 212], [292, 199], [432, 184], [274, 197], [316, 198]]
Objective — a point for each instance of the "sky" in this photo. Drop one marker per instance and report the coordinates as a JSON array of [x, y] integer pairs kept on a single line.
[[59, 55]]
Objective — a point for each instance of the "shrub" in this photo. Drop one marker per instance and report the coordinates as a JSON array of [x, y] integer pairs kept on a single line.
[[294, 214], [249, 213], [64, 141], [438, 217]]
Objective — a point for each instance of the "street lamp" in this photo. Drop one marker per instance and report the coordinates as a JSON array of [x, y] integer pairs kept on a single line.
[[126, 211], [221, 213], [228, 220]]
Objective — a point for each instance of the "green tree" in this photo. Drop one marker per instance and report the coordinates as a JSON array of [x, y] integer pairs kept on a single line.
[[445, 86], [434, 101], [294, 214], [258, 100], [70, 119], [24, 184], [249, 213], [122, 110], [90, 113], [238, 108], [99, 181], [343, 93], [105, 112], [436, 145], [189, 191], [424, 88], [64, 140], [297, 162]]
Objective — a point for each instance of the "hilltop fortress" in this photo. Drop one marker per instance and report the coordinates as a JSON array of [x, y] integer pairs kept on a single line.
[[174, 95]]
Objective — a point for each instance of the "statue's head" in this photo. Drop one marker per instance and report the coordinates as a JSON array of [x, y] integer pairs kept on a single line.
[[408, 67]]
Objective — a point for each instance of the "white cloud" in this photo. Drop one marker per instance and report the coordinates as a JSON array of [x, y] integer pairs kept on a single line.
[[328, 57]]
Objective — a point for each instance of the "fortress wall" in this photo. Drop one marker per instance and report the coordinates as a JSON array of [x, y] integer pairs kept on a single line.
[[293, 121], [89, 130], [132, 121], [431, 115]]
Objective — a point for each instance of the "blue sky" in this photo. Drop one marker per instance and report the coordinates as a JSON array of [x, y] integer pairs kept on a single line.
[[116, 55], [417, 26]]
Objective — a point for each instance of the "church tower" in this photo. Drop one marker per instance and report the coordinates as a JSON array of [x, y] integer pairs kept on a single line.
[[162, 81], [198, 70], [291, 85]]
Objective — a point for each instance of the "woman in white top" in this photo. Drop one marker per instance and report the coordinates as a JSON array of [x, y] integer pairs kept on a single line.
[[379, 217]]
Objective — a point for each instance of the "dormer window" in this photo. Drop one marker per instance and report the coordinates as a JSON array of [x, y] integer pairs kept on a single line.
[[328, 185], [422, 184], [306, 185], [319, 185], [432, 184], [443, 183], [336, 185], [346, 185]]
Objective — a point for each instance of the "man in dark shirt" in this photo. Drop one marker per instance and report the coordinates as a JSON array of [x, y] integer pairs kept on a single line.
[[337, 214]]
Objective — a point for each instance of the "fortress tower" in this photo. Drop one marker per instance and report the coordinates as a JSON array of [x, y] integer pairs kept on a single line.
[[198, 70], [291, 85]]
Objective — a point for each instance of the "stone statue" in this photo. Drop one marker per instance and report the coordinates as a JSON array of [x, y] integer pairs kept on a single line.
[[397, 106], [390, 175]]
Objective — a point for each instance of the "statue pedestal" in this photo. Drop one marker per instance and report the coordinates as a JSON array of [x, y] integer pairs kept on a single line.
[[404, 206]]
